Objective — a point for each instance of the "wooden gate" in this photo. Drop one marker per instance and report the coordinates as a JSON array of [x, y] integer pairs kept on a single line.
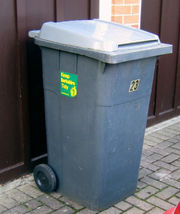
[[20, 76], [163, 18]]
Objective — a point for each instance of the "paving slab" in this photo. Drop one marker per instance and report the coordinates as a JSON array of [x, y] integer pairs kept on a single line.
[[158, 187]]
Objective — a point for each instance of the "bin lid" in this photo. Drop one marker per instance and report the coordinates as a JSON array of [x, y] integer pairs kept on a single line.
[[105, 41], [94, 34]]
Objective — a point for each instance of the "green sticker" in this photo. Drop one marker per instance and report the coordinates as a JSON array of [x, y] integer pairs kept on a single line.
[[68, 84]]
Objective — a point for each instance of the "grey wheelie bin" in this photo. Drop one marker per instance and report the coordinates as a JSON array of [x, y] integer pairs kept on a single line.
[[97, 80]]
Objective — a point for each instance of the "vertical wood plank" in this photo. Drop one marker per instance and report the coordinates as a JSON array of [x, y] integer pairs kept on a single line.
[[177, 92], [21, 30], [151, 23], [11, 144], [70, 9], [151, 15], [59, 10], [37, 12], [94, 9], [163, 18], [167, 64]]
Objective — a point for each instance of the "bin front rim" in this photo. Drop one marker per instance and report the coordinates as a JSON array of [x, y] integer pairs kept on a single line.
[[123, 54]]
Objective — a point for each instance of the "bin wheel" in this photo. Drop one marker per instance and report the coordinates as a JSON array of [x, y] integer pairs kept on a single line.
[[45, 178]]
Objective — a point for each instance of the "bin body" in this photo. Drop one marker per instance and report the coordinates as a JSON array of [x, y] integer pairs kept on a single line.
[[95, 136], [95, 139]]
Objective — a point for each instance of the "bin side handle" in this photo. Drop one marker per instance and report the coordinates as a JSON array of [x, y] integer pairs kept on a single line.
[[34, 33]]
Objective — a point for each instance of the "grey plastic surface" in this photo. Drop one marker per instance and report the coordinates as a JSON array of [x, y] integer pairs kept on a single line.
[[106, 41], [93, 34], [123, 54], [95, 139]]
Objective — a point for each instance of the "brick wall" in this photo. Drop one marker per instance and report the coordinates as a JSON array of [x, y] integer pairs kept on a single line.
[[126, 12]]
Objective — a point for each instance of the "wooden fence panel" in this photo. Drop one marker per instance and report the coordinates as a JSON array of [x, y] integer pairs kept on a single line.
[[22, 129], [163, 18]]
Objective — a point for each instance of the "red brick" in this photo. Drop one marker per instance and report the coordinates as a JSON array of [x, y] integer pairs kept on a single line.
[[135, 9], [131, 19], [116, 10], [132, 1], [118, 19], [117, 1]]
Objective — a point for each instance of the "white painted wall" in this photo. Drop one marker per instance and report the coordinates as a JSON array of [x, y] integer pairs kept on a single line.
[[105, 8]]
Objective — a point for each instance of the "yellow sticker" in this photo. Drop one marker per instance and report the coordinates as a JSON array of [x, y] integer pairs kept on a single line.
[[134, 85], [69, 84]]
